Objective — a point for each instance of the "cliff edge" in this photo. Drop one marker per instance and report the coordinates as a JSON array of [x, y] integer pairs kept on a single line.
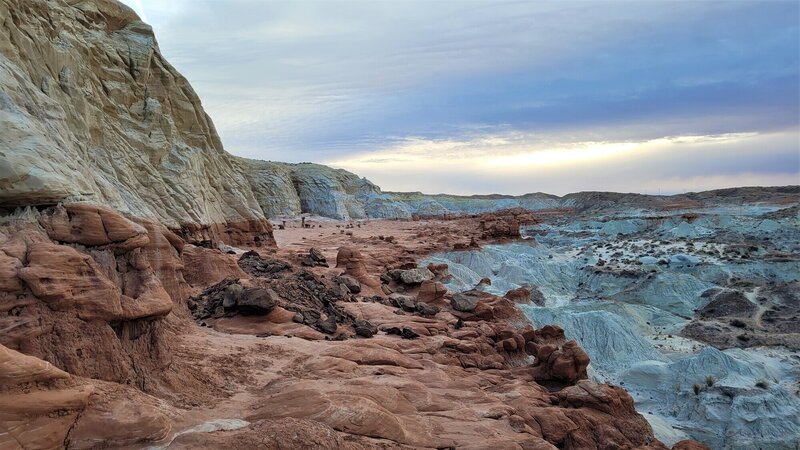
[[91, 111]]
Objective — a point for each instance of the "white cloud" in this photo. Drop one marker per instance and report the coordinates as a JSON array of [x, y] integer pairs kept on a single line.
[[443, 88], [519, 164]]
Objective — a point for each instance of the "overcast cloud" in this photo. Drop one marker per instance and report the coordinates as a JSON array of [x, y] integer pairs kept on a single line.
[[700, 94]]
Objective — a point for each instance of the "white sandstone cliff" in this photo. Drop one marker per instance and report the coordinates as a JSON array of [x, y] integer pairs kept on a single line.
[[91, 111]]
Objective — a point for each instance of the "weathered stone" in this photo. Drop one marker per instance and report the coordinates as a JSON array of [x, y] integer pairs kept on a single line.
[[519, 295], [430, 291], [257, 301], [427, 310], [364, 328], [9, 282], [352, 261], [68, 280], [415, 276], [317, 256], [257, 265], [405, 302], [464, 301], [231, 295], [327, 325], [352, 284], [404, 332]]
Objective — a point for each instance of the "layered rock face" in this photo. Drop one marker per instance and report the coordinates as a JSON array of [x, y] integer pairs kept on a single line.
[[91, 111], [292, 189], [84, 294], [424, 205]]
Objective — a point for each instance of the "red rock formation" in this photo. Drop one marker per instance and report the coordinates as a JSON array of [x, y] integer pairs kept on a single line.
[[381, 390], [557, 359], [97, 293], [688, 444], [247, 233], [519, 295], [431, 291], [352, 261], [204, 266], [163, 253], [441, 272], [44, 407], [67, 280], [505, 223], [92, 225]]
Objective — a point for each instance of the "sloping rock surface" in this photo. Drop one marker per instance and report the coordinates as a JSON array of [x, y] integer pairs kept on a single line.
[[91, 111]]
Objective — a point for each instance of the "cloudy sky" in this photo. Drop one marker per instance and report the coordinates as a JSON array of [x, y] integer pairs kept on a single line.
[[501, 97]]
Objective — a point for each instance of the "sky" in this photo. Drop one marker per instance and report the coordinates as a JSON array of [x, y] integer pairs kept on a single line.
[[479, 97]]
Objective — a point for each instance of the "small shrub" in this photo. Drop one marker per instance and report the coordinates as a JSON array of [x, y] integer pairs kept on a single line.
[[710, 380], [698, 388], [738, 323], [763, 384]]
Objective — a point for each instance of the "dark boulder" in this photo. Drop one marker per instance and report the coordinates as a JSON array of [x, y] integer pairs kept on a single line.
[[257, 301], [314, 258], [352, 284], [404, 302], [258, 266], [365, 329], [405, 332], [231, 295], [465, 301], [327, 325], [427, 310]]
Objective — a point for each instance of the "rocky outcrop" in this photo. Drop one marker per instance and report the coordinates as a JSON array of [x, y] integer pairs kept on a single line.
[[78, 286], [292, 189], [506, 223], [84, 301], [439, 205], [557, 359], [431, 291], [44, 407], [352, 261], [92, 112]]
